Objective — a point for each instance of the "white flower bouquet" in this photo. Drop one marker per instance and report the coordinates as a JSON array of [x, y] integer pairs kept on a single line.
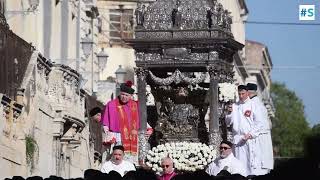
[[186, 156], [227, 92]]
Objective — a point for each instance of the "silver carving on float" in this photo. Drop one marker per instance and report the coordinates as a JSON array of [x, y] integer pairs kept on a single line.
[[213, 55], [177, 77], [144, 146], [172, 19], [199, 56], [189, 14], [141, 73], [214, 140], [174, 40]]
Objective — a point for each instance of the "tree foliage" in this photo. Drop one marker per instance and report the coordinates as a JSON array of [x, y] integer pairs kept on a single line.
[[290, 127]]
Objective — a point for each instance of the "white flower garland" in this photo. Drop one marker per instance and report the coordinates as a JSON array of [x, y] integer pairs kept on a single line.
[[186, 156], [227, 92]]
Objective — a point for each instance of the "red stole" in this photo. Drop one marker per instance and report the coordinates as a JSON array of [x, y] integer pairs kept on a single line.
[[129, 132]]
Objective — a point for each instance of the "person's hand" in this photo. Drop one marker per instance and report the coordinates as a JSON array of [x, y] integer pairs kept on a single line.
[[113, 140], [247, 136], [244, 139], [149, 132], [106, 130], [109, 142]]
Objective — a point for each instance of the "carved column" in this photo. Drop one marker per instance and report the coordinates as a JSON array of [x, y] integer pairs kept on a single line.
[[229, 79], [143, 141], [214, 133]]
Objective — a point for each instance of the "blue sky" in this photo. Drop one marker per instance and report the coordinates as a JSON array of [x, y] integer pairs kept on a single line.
[[294, 50]]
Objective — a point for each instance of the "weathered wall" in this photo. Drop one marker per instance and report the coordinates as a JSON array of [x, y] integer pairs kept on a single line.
[[53, 115]]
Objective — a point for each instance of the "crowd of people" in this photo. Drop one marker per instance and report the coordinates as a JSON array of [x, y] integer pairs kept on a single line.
[[250, 129], [224, 167], [248, 156]]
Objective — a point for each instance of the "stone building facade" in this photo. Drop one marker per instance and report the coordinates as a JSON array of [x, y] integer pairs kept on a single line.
[[259, 65], [44, 124], [51, 118], [58, 29]]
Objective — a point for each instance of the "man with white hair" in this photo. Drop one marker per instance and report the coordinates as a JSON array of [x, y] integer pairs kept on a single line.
[[121, 122], [167, 169]]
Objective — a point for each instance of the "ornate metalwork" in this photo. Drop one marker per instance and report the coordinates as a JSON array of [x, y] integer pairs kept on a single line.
[[176, 15], [171, 19], [171, 132], [141, 73], [176, 53], [153, 35], [173, 14], [213, 55], [199, 56], [139, 56], [3, 21], [183, 114], [215, 140], [189, 35], [229, 136], [227, 20], [177, 77], [144, 146], [152, 57], [221, 71], [139, 13], [230, 74], [169, 14], [213, 71], [179, 120], [181, 34]]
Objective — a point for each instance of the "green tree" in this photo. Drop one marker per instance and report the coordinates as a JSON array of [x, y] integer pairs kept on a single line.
[[290, 127]]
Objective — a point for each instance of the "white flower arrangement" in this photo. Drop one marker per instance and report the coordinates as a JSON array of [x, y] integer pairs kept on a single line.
[[186, 156], [227, 92]]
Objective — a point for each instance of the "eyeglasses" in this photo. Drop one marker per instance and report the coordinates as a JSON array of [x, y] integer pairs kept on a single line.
[[165, 166], [224, 148]]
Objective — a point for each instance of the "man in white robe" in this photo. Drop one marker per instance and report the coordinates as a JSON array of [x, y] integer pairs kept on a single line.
[[226, 161], [246, 120], [117, 163], [264, 139]]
